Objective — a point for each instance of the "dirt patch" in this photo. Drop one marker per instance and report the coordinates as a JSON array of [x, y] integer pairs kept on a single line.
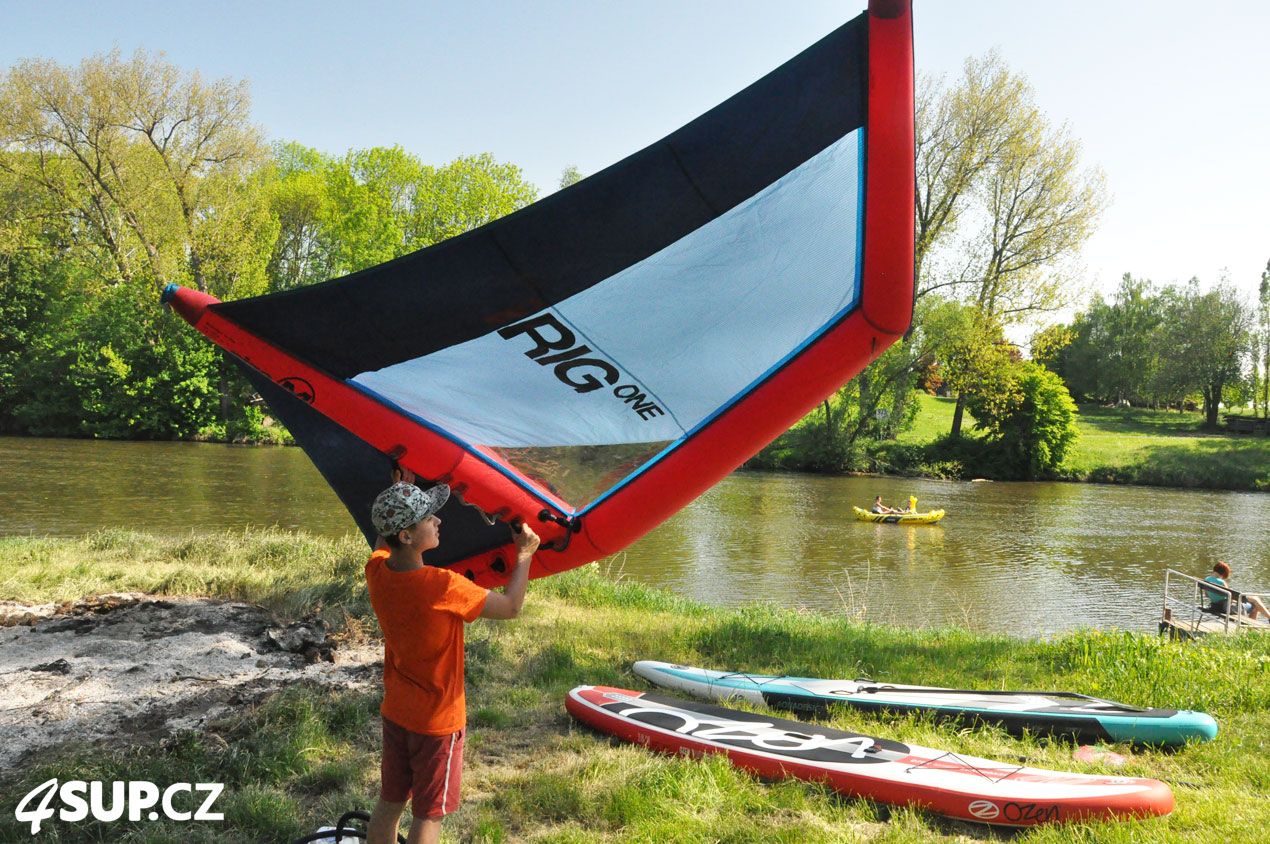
[[132, 668]]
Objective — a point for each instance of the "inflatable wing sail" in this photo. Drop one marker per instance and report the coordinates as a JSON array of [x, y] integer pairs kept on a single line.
[[596, 360]]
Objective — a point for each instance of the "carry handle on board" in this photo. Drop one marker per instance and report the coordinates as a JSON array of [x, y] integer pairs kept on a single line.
[[937, 691]]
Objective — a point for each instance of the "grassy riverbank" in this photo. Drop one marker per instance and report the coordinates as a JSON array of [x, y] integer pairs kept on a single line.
[[1116, 445], [302, 758]]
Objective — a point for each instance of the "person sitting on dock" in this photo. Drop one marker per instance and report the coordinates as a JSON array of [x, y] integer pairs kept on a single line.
[[879, 507], [1219, 601]]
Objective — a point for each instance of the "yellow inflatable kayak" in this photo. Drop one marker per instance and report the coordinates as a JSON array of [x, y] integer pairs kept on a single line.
[[899, 518]]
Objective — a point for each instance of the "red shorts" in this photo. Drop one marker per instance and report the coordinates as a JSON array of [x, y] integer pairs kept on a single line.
[[426, 768]]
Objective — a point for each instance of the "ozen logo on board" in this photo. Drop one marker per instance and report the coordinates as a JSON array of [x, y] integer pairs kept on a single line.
[[577, 364]]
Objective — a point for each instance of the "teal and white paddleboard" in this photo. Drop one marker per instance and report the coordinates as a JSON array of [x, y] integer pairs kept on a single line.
[[1059, 713]]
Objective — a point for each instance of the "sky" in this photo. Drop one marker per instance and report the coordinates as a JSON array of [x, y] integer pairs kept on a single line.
[[1169, 99]]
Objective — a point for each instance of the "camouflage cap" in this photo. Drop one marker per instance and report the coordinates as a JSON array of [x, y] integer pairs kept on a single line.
[[402, 505]]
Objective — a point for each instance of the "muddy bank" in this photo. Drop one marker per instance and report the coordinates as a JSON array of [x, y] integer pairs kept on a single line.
[[131, 668]]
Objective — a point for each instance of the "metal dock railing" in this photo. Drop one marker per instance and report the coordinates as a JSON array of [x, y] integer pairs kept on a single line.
[[1186, 613]]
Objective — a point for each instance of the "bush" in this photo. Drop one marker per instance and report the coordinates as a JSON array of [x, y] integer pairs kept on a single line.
[[1036, 428]]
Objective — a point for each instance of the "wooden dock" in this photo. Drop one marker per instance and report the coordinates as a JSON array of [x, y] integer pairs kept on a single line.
[[1205, 624]]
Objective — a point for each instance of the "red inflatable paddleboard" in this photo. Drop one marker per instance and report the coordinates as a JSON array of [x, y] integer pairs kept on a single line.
[[949, 784]]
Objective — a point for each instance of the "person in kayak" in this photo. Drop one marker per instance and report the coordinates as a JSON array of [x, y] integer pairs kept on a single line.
[[1219, 601], [879, 507]]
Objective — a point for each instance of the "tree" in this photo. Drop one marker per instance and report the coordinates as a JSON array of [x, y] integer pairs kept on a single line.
[[1131, 359], [1113, 356], [1002, 204], [301, 203], [148, 159], [340, 215], [468, 192], [981, 368], [1261, 353], [1039, 210], [1204, 341], [32, 293], [1081, 363], [570, 175], [153, 176], [958, 133], [373, 194], [942, 328], [1050, 347]]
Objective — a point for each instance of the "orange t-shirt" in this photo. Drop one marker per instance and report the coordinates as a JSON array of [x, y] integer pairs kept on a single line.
[[422, 613]]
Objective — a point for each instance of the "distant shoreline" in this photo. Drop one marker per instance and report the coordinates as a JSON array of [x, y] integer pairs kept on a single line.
[[1122, 446]]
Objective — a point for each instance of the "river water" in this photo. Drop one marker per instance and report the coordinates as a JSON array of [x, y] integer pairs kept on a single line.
[[1026, 559]]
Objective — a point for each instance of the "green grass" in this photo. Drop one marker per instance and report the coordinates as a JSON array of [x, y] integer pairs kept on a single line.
[[1135, 445], [288, 573], [301, 759], [934, 420], [1132, 445]]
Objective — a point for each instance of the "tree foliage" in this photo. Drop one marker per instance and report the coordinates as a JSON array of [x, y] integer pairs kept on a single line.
[[154, 162], [1003, 205], [1205, 340], [1162, 347], [1114, 354], [1261, 345], [341, 215], [121, 175], [1035, 425]]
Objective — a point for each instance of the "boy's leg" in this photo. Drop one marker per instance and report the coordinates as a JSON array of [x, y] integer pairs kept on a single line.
[[394, 789], [423, 831], [437, 765], [383, 823]]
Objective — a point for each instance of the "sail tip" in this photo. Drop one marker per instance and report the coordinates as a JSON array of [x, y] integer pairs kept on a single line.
[[190, 304], [889, 8]]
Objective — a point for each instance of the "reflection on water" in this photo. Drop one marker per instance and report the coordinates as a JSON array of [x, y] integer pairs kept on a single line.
[[1014, 557], [71, 487], [1026, 559]]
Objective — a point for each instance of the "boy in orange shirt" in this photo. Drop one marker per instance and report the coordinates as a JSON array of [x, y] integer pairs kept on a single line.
[[422, 610]]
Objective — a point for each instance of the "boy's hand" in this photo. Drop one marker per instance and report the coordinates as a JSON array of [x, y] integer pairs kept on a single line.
[[403, 475], [507, 603], [526, 542]]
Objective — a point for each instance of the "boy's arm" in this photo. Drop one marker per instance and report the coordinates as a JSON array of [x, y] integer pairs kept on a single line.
[[507, 603]]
